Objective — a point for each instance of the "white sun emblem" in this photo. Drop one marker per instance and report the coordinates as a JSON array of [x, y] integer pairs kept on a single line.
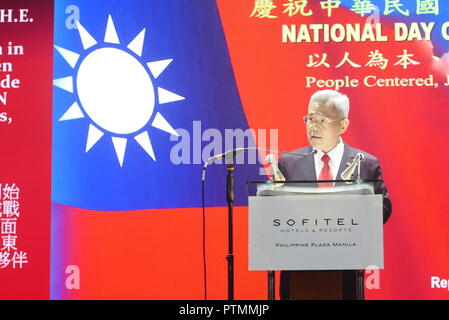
[[115, 91]]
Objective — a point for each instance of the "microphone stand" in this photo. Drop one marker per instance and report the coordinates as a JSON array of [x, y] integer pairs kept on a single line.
[[230, 200], [229, 159]]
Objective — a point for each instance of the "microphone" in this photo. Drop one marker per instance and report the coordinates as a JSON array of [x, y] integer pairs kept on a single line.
[[237, 151], [348, 173], [227, 154], [231, 154], [277, 174]]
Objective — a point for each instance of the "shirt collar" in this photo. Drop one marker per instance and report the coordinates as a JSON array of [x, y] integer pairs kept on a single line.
[[337, 151]]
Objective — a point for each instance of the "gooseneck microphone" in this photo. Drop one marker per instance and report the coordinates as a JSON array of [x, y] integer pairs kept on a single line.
[[348, 173], [231, 154], [235, 152]]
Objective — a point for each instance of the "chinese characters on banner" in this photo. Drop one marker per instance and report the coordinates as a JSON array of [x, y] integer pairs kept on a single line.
[[271, 8], [358, 21], [26, 73], [376, 59], [10, 255]]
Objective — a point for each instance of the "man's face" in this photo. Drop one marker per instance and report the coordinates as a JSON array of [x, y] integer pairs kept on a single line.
[[325, 136]]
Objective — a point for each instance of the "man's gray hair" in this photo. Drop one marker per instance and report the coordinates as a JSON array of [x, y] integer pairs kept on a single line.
[[339, 100]]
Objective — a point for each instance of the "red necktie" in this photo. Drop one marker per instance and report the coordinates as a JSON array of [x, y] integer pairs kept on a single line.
[[326, 173]]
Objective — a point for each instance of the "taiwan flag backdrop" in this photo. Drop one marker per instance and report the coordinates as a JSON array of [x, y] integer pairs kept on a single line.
[[126, 180], [126, 214]]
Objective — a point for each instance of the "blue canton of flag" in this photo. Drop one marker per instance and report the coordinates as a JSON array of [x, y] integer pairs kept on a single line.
[[133, 81]]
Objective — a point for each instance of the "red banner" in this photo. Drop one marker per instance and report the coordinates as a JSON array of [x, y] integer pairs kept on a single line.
[[26, 55]]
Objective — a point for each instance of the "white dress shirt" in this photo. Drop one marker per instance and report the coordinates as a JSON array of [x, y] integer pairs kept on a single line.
[[336, 154]]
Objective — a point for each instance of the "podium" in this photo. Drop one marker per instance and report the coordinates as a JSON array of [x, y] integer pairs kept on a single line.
[[321, 238]]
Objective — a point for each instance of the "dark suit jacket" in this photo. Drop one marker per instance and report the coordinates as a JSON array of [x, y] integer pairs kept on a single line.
[[303, 168]]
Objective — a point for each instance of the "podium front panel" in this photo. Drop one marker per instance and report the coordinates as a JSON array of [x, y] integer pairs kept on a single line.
[[315, 232]]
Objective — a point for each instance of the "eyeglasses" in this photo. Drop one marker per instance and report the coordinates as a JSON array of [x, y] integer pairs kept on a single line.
[[321, 122]]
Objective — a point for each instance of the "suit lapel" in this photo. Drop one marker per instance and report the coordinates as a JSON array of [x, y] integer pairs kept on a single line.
[[348, 155], [309, 166]]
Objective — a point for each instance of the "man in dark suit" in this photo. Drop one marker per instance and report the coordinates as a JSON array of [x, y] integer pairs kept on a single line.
[[327, 119]]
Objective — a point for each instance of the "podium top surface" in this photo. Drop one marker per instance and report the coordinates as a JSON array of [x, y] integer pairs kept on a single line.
[[311, 181], [335, 187]]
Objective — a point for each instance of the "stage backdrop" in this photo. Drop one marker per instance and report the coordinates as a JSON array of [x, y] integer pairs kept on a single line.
[[145, 91], [126, 177]]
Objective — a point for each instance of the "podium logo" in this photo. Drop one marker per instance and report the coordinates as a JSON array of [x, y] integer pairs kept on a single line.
[[325, 222]]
